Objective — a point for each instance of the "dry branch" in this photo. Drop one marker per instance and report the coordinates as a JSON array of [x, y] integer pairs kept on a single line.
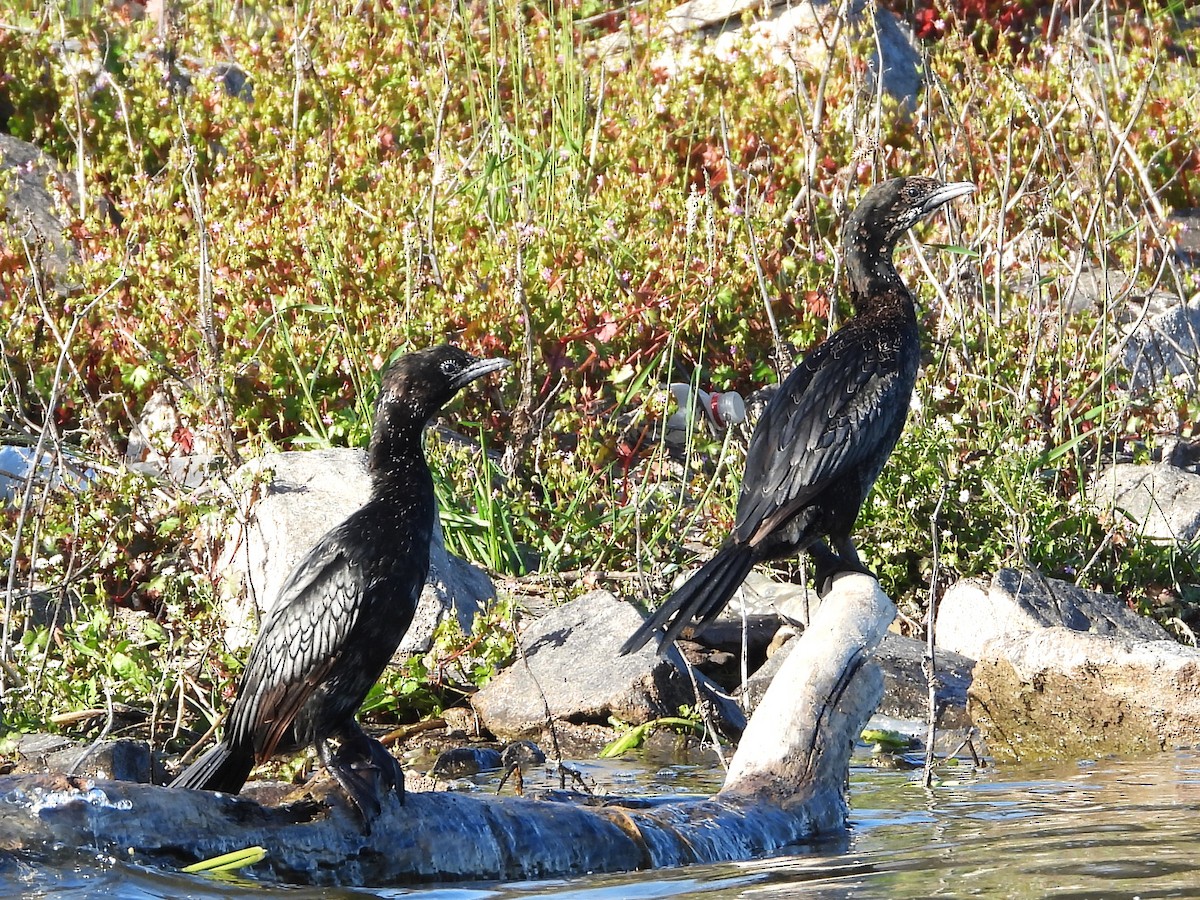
[[785, 785]]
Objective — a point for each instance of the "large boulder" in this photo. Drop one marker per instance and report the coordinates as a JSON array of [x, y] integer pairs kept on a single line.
[[1064, 672], [570, 670], [289, 501], [974, 612], [1056, 692]]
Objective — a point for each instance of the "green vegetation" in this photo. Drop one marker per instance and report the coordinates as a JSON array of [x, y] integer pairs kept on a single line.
[[393, 176]]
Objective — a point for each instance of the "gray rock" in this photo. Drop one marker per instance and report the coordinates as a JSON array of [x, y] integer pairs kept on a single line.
[[121, 760], [167, 440], [291, 499], [1164, 346], [1059, 693], [906, 690], [38, 745], [1159, 328], [35, 204], [787, 35], [570, 669], [1179, 453], [522, 753], [1186, 225], [1113, 291], [974, 612], [18, 466], [760, 595], [460, 762], [1161, 500]]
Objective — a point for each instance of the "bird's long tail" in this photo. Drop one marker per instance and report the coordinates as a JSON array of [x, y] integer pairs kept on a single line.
[[223, 768], [700, 599]]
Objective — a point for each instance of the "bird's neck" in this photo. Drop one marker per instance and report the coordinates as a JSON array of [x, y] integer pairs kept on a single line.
[[395, 443], [875, 285]]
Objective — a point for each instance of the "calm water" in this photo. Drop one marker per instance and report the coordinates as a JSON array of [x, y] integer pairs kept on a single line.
[[1102, 828]]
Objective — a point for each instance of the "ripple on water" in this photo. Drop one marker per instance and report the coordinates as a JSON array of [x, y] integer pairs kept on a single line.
[[1099, 828]]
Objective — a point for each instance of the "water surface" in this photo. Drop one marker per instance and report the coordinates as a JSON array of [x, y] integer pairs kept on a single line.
[[1108, 828]]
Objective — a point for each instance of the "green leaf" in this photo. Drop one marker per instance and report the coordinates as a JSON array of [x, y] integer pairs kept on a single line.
[[169, 525], [124, 666], [139, 377], [886, 740]]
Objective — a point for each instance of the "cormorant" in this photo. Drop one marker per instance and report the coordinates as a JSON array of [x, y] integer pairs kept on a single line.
[[346, 605], [825, 435]]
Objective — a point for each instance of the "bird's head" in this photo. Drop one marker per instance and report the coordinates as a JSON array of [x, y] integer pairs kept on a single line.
[[891, 208], [420, 383]]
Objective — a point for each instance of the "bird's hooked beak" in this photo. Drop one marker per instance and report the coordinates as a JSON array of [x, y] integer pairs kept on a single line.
[[945, 194], [478, 369]]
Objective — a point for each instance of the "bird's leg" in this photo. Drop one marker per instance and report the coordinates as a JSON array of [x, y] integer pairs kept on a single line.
[[361, 792], [386, 765], [363, 768], [364, 759], [827, 563]]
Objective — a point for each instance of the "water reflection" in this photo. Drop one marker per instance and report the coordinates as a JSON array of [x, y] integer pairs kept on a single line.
[[1101, 828]]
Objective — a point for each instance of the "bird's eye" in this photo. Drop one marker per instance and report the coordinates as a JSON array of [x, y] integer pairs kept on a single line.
[[449, 367]]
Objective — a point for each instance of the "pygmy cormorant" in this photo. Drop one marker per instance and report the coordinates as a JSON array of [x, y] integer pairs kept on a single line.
[[346, 605], [825, 435]]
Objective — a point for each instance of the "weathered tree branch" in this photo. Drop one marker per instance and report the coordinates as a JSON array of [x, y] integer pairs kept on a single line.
[[785, 785]]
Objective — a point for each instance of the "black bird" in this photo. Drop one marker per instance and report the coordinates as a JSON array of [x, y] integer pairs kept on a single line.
[[346, 605], [824, 437]]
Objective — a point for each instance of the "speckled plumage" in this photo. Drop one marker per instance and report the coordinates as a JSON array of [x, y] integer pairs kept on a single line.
[[347, 604], [827, 432]]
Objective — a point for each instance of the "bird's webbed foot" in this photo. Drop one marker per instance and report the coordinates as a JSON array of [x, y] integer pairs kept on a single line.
[[364, 769], [827, 563]]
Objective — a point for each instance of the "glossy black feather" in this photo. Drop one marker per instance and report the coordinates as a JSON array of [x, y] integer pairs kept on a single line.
[[824, 438], [348, 603]]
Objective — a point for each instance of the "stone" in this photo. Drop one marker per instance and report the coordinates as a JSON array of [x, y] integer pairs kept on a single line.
[[1162, 500], [905, 687], [120, 760], [1185, 226], [760, 595], [1060, 693], [1159, 329], [974, 612], [569, 668], [1163, 347], [37, 746], [522, 754], [1101, 291], [461, 762], [167, 440], [36, 193], [785, 36], [290, 500], [19, 466]]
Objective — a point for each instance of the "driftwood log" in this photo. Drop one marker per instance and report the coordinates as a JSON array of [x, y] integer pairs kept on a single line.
[[785, 785]]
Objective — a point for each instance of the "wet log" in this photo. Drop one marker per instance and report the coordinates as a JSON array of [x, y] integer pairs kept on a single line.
[[786, 784]]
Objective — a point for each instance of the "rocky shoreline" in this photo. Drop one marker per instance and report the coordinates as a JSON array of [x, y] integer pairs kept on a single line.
[[1027, 667]]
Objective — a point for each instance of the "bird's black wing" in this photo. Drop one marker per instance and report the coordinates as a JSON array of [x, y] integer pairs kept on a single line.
[[836, 411], [299, 642]]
